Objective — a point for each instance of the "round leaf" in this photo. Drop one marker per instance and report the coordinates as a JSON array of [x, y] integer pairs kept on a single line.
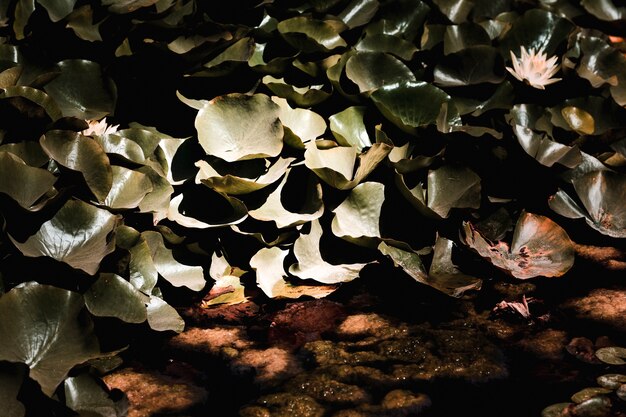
[[309, 34], [42, 326], [612, 355], [372, 70], [21, 182], [113, 296], [129, 188]]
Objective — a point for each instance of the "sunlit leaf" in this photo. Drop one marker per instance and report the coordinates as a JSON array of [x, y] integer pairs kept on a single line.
[[539, 247], [402, 18], [82, 91], [612, 355], [163, 317], [177, 274], [83, 154], [235, 126], [455, 10], [78, 234], [311, 265], [227, 288], [113, 296], [372, 70], [358, 12], [305, 124], [310, 35], [602, 194], [301, 96], [409, 104], [86, 396], [36, 96], [273, 209], [357, 218], [129, 188], [604, 9], [81, 22], [387, 43], [536, 29], [21, 182], [127, 6], [237, 213], [587, 393], [240, 51], [42, 327], [270, 276], [349, 129], [58, 9], [23, 10]]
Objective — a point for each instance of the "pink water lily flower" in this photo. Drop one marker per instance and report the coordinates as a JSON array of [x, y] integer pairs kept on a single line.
[[534, 68], [99, 128]]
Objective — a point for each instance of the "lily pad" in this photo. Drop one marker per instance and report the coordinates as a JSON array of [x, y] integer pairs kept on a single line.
[[233, 209], [539, 247], [163, 317], [387, 43], [36, 96], [80, 153], [357, 218], [79, 234], [113, 296], [604, 9], [349, 129], [227, 288], [612, 355], [459, 37], [236, 126], [44, 328], [82, 91], [23, 183], [455, 10], [301, 96], [305, 125], [601, 194], [358, 12], [127, 6], [82, 23], [372, 70], [58, 9], [274, 210], [310, 35], [410, 104], [536, 29], [587, 393], [402, 18], [270, 277], [129, 188], [311, 265], [473, 65], [85, 395], [611, 381]]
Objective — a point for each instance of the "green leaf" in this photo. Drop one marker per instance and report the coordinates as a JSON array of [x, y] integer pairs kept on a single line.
[[390, 44], [237, 213], [113, 296], [539, 247], [233, 184], [536, 29], [448, 187], [311, 265], [82, 91], [42, 326], [455, 10], [587, 115], [36, 96], [240, 51], [410, 104], [555, 410], [604, 9], [402, 18], [9, 77], [11, 378], [587, 393], [270, 277], [602, 194], [602, 64], [23, 10], [227, 288], [502, 98], [372, 70], [235, 127], [310, 35], [119, 145], [358, 13], [21, 182], [127, 6], [177, 274], [273, 209], [300, 96], [459, 37], [129, 188], [473, 65], [304, 124], [58, 9], [579, 120], [611, 381], [357, 218], [81, 22], [85, 395], [78, 234], [158, 200], [83, 154], [349, 129], [163, 317]]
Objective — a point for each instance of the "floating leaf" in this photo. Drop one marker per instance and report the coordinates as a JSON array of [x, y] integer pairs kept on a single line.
[[349, 129], [602, 194], [579, 120], [227, 288], [459, 37], [235, 185], [58, 9], [587, 115], [87, 397], [163, 317], [612, 355], [611, 381], [536, 29], [604, 9], [129, 188], [311, 265], [602, 64], [237, 213], [455, 10], [124, 147], [306, 125], [113, 296], [448, 187], [83, 154], [372, 70], [357, 218], [555, 410], [36, 96], [539, 247], [274, 210], [21, 182], [270, 276], [310, 35], [82, 91], [81, 22], [127, 6], [387, 43], [402, 18], [410, 104], [336, 165], [42, 327], [358, 13], [235, 126], [78, 234], [300, 96], [177, 274], [240, 51], [587, 393], [474, 65]]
